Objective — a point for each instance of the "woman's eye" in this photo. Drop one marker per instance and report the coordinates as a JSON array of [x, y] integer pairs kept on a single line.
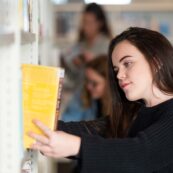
[[127, 64]]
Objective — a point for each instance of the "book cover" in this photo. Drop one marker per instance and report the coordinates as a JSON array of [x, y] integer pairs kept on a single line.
[[41, 90]]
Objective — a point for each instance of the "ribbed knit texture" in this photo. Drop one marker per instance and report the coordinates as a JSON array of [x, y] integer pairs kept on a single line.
[[147, 149]]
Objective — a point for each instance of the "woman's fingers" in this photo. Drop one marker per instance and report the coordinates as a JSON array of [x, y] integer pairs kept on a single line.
[[40, 138], [49, 154], [42, 148], [43, 127]]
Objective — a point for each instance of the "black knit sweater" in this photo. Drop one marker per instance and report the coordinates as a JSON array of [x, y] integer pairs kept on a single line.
[[147, 149]]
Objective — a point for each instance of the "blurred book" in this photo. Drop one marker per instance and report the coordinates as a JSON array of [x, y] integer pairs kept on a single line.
[[41, 90]]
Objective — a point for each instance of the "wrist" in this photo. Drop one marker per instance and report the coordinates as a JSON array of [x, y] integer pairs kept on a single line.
[[76, 145]]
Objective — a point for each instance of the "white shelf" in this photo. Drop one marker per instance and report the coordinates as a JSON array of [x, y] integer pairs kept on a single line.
[[27, 37], [6, 39], [134, 7]]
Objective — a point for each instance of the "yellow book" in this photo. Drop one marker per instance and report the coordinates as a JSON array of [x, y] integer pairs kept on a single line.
[[41, 90]]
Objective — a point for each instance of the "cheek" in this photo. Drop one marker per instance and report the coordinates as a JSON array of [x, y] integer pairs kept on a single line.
[[100, 90], [141, 86], [141, 74], [142, 81], [97, 93], [89, 88], [144, 78]]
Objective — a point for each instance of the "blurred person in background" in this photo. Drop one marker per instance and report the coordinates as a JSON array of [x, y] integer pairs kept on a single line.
[[90, 101], [93, 40]]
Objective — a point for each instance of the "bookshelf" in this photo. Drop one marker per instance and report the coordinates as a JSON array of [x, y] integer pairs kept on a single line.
[[26, 38], [19, 43], [136, 6], [157, 16]]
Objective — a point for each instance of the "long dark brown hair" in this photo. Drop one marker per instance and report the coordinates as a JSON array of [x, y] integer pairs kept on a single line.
[[99, 13], [158, 52]]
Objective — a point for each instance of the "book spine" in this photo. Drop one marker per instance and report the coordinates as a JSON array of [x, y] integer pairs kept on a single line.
[[59, 93]]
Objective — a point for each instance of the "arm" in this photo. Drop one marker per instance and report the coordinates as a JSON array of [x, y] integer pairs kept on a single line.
[[149, 151], [94, 127]]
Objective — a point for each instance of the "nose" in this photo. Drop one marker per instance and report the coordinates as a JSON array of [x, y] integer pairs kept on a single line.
[[121, 74]]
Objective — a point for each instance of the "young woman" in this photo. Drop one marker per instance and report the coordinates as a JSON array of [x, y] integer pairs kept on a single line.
[[141, 81], [94, 37], [90, 101]]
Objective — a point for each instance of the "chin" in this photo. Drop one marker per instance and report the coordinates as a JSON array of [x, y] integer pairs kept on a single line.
[[132, 98], [95, 97]]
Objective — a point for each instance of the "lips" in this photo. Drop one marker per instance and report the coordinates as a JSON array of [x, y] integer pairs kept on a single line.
[[124, 85]]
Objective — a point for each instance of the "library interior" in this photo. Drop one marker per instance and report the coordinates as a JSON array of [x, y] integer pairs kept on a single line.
[[55, 67]]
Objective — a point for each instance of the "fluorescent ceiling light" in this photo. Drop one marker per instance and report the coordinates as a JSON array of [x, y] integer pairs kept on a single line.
[[59, 1], [110, 2]]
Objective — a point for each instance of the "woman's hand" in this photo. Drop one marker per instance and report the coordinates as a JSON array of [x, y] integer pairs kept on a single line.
[[55, 144]]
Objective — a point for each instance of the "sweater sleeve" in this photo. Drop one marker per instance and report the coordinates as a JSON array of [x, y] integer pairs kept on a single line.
[[150, 150], [92, 128]]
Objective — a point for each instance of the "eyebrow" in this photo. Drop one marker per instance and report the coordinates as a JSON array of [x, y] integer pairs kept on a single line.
[[124, 57]]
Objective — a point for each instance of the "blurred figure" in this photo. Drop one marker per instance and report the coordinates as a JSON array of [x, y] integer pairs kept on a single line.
[[94, 38], [91, 101]]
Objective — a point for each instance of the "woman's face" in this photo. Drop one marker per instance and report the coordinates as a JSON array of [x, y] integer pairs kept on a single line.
[[133, 71], [95, 84], [90, 25]]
